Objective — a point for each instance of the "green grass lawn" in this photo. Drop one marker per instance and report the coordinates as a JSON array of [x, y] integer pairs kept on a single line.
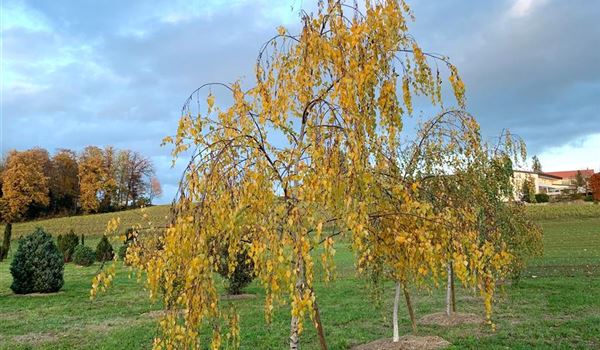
[[559, 308], [564, 210]]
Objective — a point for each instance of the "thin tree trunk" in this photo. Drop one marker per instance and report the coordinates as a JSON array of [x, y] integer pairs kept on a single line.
[[411, 311], [319, 327], [294, 336], [449, 290], [294, 326], [295, 323], [395, 317], [452, 288]]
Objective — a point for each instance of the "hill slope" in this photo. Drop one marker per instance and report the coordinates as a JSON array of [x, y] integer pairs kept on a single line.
[[93, 224]]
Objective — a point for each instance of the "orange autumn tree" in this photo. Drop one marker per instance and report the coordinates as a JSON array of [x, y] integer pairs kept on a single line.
[[291, 155], [24, 186], [91, 178], [25, 182]]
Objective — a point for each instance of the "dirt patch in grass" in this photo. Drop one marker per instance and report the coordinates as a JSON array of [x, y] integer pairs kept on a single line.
[[157, 313], [154, 314], [242, 296], [456, 318], [38, 294], [35, 338], [100, 327], [5, 316], [407, 342]]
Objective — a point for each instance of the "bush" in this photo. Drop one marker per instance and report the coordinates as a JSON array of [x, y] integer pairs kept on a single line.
[[83, 255], [241, 276], [588, 198], [577, 196], [542, 198], [67, 244], [104, 250], [38, 265]]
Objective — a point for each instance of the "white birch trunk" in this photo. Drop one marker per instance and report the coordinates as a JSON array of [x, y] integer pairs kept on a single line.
[[294, 326], [395, 317], [294, 338], [449, 290]]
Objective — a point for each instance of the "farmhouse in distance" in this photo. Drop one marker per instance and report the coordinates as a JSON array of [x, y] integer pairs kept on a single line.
[[554, 183]]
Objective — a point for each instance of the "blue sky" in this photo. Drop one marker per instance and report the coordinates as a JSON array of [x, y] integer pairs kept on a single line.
[[85, 72]]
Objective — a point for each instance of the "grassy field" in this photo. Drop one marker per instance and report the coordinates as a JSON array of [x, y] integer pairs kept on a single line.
[[92, 225], [555, 306], [574, 210]]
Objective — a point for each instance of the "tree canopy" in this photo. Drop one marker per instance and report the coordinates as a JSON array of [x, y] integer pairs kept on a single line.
[[312, 151], [33, 184]]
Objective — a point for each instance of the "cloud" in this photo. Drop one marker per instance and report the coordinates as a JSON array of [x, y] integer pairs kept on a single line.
[[535, 73], [116, 72], [579, 154], [521, 8], [16, 14]]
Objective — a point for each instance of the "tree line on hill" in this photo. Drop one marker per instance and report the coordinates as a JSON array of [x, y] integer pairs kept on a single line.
[[34, 184]]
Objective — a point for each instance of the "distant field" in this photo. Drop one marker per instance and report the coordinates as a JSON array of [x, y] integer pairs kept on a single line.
[[555, 306], [95, 224], [92, 225], [551, 211]]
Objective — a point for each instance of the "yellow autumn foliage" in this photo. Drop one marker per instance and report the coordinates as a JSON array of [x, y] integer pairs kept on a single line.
[[295, 162]]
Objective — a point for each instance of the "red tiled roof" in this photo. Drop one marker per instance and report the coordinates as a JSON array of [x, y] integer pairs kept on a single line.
[[540, 174], [571, 173]]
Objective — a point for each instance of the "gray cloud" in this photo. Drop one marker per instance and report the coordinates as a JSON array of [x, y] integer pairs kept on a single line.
[[536, 74], [117, 72]]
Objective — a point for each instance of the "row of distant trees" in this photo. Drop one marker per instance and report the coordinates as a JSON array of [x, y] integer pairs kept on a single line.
[[35, 184]]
